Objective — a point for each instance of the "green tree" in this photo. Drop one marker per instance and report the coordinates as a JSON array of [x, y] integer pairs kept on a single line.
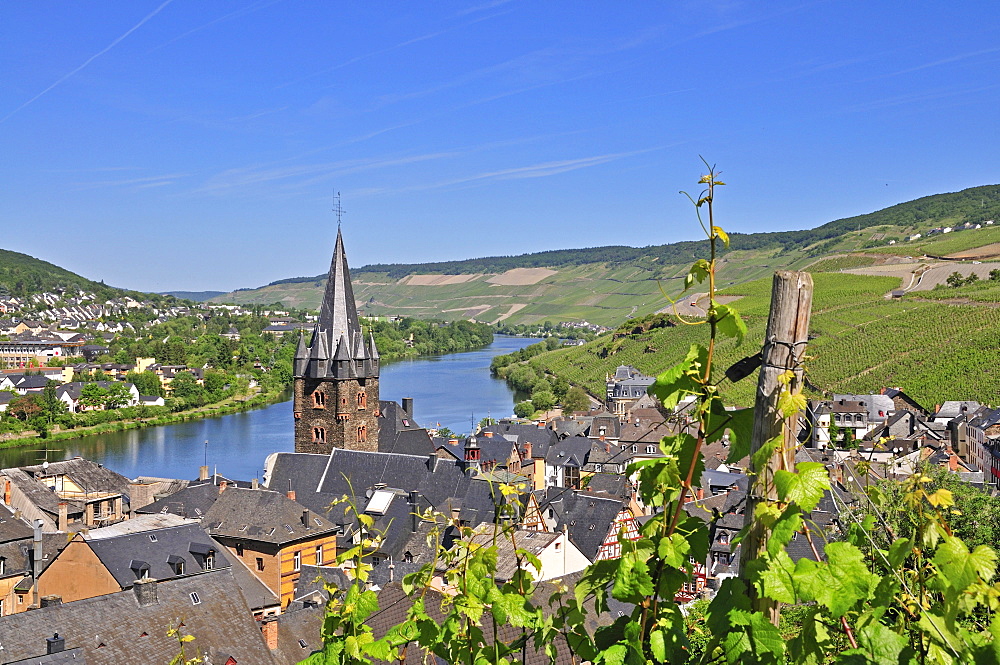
[[955, 279], [93, 396], [117, 396], [576, 399], [543, 400], [147, 383], [185, 386], [524, 409]]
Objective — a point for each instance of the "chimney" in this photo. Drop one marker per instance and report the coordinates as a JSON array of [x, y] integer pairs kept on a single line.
[[488, 434], [6, 491], [222, 486], [270, 631], [305, 518], [527, 450], [414, 500], [290, 494], [202, 473], [55, 644], [408, 406], [541, 424], [36, 560], [51, 601], [254, 484], [145, 592], [63, 524]]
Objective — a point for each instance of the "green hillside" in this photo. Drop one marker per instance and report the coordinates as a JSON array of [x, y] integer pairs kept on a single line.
[[860, 342], [608, 285], [22, 275]]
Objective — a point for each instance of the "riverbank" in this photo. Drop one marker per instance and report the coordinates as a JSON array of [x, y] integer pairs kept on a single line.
[[226, 407]]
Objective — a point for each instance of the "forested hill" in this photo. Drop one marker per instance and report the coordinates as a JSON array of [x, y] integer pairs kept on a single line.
[[973, 204], [22, 275]]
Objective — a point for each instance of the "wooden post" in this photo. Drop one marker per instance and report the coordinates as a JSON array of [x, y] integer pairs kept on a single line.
[[784, 349]]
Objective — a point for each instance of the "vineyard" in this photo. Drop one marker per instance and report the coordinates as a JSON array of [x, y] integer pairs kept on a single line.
[[861, 342], [945, 244]]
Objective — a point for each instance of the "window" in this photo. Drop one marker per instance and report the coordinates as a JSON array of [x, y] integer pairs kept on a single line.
[[195, 598], [598, 468], [573, 477], [363, 434], [152, 538], [209, 561], [319, 435], [239, 549], [376, 561], [179, 567], [407, 557], [319, 399], [297, 561], [3, 566], [635, 449], [650, 450], [260, 564], [362, 400], [144, 575], [319, 555]]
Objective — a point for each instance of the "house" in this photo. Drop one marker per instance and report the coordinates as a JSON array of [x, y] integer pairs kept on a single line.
[[592, 521], [555, 551], [70, 495], [15, 560], [131, 626], [625, 387], [70, 394], [272, 534]]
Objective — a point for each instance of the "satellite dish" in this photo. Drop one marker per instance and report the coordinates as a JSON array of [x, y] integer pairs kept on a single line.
[[45, 464]]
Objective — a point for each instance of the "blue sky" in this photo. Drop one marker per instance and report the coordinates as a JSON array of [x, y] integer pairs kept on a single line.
[[195, 145]]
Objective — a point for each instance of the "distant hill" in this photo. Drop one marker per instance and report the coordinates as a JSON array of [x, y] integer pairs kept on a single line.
[[23, 275], [196, 296], [606, 285], [973, 204]]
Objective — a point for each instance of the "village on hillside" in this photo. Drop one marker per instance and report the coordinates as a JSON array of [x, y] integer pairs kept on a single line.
[[95, 567]]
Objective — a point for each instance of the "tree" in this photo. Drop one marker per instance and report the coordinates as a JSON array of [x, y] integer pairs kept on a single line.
[[186, 387], [446, 433], [93, 396], [117, 396], [972, 278], [147, 383], [995, 275], [955, 279], [487, 422], [24, 407], [543, 400], [51, 405], [524, 409], [576, 399]]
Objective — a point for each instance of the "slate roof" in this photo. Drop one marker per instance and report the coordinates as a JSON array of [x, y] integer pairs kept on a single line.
[[89, 475], [299, 634], [572, 452], [193, 501], [587, 516], [540, 438], [158, 550], [439, 483], [520, 539], [265, 516], [399, 433], [114, 628]]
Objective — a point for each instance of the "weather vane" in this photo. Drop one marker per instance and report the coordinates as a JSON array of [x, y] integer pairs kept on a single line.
[[337, 208]]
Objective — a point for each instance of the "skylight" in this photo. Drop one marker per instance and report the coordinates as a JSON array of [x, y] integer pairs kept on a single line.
[[379, 503]]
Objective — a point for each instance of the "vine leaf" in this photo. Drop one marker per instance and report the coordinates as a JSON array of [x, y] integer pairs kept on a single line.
[[961, 568], [805, 487], [680, 380], [838, 583], [729, 322]]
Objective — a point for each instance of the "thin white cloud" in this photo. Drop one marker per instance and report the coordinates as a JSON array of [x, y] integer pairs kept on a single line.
[[87, 61], [141, 183], [947, 61], [542, 170], [260, 4]]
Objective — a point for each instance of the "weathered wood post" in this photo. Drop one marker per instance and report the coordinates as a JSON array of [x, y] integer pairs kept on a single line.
[[784, 350]]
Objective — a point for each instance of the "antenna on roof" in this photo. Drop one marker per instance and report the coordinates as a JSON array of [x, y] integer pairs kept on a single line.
[[337, 208]]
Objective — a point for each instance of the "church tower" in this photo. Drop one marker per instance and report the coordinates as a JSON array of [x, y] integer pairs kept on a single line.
[[336, 402]]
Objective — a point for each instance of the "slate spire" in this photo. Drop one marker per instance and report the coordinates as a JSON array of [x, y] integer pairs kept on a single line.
[[338, 315]]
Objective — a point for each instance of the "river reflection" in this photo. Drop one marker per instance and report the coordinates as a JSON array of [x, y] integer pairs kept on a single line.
[[449, 390]]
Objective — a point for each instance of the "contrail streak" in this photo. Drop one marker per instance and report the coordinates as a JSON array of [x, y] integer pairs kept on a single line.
[[87, 61]]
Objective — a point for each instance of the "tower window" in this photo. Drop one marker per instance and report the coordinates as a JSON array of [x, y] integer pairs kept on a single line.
[[362, 400], [319, 435], [319, 400], [363, 434]]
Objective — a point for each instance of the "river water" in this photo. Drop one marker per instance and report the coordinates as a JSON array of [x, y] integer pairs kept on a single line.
[[450, 389]]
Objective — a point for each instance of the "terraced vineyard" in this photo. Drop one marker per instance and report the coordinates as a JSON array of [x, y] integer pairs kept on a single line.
[[861, 343]]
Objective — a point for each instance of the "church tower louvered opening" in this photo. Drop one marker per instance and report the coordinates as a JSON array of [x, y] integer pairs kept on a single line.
[[336, 375]]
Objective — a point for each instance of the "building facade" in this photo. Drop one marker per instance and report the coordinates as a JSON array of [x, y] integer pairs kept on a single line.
[[336, 396]]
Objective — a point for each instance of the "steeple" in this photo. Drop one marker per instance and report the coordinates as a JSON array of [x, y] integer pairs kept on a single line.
[[339, 316]]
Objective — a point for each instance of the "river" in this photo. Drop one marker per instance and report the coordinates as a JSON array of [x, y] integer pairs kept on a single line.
[[449, 389]]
